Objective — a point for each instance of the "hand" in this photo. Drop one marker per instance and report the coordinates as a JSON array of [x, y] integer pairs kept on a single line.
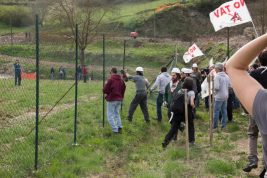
[[165, 104]]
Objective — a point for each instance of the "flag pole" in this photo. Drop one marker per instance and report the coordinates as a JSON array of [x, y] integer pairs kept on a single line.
[[257, 35], [228, 42]]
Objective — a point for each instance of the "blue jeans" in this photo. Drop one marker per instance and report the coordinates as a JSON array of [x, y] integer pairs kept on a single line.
[[220, 106], [113, 113]]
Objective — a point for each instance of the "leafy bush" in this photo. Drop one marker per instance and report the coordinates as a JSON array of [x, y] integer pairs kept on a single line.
[[17, 15]]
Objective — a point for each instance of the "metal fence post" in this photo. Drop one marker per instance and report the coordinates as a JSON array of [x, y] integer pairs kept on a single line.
[[123, 62], [37, 91], [76, 84], [104, 70]]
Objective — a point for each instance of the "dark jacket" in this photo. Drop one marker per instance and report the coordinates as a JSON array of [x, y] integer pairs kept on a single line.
[[260, 75], [114, 88], [168, 94], [17, 69]]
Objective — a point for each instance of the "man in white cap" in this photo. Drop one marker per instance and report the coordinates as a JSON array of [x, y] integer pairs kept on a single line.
[[173, 87], [196, 72], [161, 82], [196, 75], [141, 85]]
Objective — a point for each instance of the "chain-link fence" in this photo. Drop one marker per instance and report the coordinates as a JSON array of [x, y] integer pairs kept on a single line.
[[36, 116], [17, 111]]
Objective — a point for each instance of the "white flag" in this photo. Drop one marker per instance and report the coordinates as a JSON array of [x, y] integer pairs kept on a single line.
[[191, 53], [230, 14], [211, 62]]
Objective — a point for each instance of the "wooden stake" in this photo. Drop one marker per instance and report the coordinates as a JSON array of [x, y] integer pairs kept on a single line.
[[186, 125], [210, 110]]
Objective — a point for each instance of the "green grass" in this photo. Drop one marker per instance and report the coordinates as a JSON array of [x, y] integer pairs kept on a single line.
[[135, 153], [222, 167], [134, 12]]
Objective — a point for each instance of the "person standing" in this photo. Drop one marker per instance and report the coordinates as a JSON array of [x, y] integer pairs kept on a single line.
[[52, 73], [251, 93], [141, 85], [260, 75], [84, 73], [221, 93], [64, 73], [161, 82], [114, 90], [197, 77], [79, 72], [61, 73], [17, 70]]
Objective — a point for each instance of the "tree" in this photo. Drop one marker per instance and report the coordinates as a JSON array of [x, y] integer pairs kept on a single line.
[[88, 14], [41, 7]]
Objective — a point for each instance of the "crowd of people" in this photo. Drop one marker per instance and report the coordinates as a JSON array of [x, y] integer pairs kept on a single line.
[[82, 73], [170, 90], [173, 87]]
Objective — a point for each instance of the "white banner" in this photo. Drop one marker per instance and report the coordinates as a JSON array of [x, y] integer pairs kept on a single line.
[[230, 14], [191, 53], [205, 86]]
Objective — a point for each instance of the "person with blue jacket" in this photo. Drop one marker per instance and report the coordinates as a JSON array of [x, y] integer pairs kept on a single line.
[[17, 70]]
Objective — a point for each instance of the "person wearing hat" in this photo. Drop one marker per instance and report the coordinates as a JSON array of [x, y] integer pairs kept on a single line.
[[141, 85], [196, 72], [161, 82], [221, 93], [172, 87], [196, 75]]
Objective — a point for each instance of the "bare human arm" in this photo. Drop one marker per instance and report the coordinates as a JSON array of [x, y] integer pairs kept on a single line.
[[192, 103], [244, 85]]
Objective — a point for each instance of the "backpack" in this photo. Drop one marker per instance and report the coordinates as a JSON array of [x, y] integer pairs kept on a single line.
[[177, 104]]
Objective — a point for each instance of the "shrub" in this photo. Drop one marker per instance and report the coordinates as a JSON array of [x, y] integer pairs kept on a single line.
[[19, 16]]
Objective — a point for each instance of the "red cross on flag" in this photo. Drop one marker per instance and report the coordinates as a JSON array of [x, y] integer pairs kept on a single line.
[[191, 53], [230, 14]]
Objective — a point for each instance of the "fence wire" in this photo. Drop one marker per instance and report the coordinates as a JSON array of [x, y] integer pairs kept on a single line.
[[17, 111], [57, 81]]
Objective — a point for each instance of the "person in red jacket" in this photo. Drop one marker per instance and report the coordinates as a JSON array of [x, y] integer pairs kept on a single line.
[[84, 73], [114, 90]]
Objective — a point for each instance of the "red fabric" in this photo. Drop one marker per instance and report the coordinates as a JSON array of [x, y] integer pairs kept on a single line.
[[29, 76], [84, 71], [114, 88]]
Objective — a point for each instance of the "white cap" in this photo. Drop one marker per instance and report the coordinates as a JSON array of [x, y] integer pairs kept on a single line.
[[176, 70], [186, 70], [139, 69], [183, 70], [194, 65]]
